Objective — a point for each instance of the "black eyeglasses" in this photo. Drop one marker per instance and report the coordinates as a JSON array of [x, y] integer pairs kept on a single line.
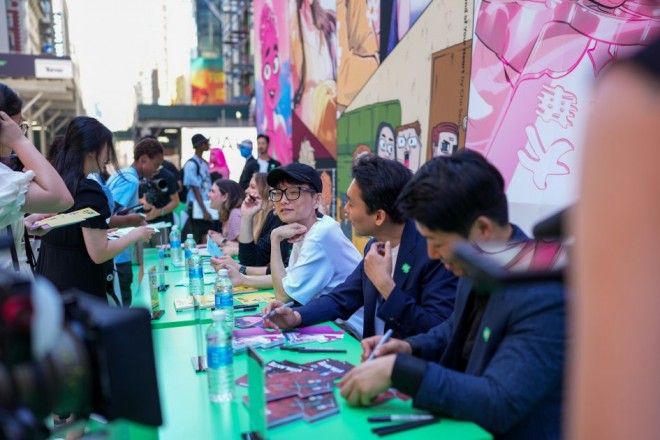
[[24, 127], [293, 193]]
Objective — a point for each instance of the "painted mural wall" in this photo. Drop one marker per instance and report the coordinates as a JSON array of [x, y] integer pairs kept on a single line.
[[531, 88], [273, 76], [414, 104]]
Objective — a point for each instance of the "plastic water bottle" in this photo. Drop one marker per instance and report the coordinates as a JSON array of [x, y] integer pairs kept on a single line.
[[189, 245], [175, 246], [161, 267], [219, 356], [196, 274], [224, 296]]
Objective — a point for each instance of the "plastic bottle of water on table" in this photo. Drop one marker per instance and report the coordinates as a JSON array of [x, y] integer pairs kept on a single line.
[[224, 296], [219, 356], [175, 246], [189, 245], [196, 274], [161, 267]]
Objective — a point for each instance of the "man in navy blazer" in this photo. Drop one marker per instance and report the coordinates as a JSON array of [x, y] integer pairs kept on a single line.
[[498, 360], [400, 287]]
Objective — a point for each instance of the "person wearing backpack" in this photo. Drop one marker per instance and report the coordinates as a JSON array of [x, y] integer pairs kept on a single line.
[[197, 184]]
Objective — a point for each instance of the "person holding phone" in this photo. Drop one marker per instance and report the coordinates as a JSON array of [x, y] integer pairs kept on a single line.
[[28, 183]]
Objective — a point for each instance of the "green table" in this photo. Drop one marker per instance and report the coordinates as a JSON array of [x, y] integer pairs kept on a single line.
[[188, 413], [170, 317]]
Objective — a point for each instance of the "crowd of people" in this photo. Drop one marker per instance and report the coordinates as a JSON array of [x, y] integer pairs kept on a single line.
[[497, 357]]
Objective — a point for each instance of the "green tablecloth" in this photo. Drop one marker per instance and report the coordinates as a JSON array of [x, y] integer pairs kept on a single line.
[[188, 413]]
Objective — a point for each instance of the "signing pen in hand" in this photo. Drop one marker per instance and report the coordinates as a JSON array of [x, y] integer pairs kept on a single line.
[[383, 340], [274, 311]]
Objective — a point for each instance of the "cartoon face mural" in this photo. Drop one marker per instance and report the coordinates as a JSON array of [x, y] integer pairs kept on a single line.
[[385, 141], [409, 145], [270, 67], [272, 78], [445, 139]]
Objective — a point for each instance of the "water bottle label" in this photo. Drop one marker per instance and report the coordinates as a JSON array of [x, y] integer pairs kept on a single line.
[[218, 301], [188, 253], [161, 253], [175, 243], [226, 301], [217, 357], [195, 272]]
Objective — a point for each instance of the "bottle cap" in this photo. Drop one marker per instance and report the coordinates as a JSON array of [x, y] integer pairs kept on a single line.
[[219, 315], [223, 273], [189, 236], [175, 227]]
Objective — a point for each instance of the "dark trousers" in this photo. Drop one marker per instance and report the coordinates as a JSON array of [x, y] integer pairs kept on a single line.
[[198, 228], [125, 274]]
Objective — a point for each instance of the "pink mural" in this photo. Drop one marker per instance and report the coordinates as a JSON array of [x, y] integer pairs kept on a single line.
[[273, 77], [313, 30], [533, 66]]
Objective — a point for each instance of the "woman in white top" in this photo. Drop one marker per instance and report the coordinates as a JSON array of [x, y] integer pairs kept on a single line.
[[322, 257], [28, 184]]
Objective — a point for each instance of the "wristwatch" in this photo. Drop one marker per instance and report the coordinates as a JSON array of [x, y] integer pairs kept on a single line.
[[243, 270]]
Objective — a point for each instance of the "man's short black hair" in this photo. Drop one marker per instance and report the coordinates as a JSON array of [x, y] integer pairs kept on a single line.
[[381, 181], [264, 136], [148, 146], [449, 193]]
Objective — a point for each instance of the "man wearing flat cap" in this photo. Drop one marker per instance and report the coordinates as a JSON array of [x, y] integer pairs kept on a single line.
[[197, 178]]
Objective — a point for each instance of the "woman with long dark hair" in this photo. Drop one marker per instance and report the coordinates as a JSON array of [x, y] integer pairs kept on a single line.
[[73, 256]]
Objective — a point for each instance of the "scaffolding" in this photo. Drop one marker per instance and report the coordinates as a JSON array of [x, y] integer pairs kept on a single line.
[[235, 17]]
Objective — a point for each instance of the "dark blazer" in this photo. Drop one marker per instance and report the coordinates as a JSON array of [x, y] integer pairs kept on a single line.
[[423, 296], [512, 385], [251, 167]]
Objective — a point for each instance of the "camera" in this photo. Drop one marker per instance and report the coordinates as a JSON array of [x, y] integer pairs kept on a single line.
[[153, 189], [71, 353]]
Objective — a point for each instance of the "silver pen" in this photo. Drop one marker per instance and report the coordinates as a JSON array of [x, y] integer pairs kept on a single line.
[[383, 340]]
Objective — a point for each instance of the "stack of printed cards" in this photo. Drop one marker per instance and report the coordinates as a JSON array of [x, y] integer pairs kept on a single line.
[[320, 333], [295, 391], [256, 337]]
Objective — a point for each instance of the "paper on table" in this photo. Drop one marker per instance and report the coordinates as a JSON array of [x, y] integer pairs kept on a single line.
[[123, 231], [255, 298], [186, 303], [65, 219]]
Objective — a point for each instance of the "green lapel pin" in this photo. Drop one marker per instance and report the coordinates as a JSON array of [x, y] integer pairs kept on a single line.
[[405, 268], [486, 334]]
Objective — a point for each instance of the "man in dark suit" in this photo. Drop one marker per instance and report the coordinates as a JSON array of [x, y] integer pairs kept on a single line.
[[498, 360], [263, 164], [396, 282]]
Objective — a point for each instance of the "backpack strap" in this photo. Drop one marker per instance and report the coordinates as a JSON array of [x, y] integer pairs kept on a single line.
[[12, 249], [28, 251]]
